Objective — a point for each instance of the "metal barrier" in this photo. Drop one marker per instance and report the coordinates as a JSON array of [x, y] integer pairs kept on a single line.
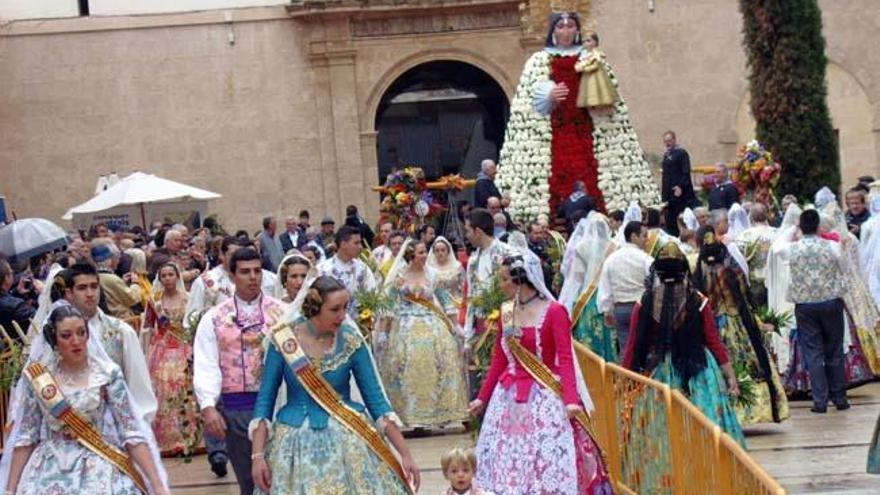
[[657, 442]]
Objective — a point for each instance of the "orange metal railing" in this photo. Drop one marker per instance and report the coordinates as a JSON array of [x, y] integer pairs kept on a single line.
[[657, 442]]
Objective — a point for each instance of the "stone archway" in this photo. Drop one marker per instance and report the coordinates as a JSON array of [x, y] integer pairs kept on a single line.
[[442, 115], [851, 116]]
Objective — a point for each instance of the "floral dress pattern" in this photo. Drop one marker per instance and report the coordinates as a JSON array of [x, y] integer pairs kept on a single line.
[[176, 425], [59, 464], [422, 366], [527, 444], [310, 452]]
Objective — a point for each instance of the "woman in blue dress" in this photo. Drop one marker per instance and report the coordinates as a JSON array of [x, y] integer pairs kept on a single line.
[[311, 450]]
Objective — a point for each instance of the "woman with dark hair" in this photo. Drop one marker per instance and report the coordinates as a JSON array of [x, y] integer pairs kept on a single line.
[[322, 440], [596, 145], [177, 424], [719, 277], [421, 364], [535, 437], [673, 339], [76, 429]]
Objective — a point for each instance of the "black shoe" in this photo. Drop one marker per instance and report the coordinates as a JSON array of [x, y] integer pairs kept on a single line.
[[218, 464], [842, 406], [819, 410]]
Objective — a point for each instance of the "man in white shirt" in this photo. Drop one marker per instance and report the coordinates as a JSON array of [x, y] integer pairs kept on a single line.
[[345, 266], [622, 281], [228, 361], [383, 251], [120, 341]]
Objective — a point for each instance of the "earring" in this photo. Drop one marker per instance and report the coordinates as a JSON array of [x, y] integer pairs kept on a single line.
[[577, 39], [553, 39]]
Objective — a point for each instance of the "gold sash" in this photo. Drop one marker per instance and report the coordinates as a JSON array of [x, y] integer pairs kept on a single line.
[[585, 296], [543, 375], [49, 394], [324, 394], [430, 306]]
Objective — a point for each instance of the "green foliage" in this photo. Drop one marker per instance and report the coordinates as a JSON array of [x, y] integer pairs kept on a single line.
[[489, 299], [778, 320], [11, 363], [786, 56], [748, 396]]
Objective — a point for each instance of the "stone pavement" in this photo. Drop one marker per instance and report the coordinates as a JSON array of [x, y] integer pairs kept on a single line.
[[809, 453]]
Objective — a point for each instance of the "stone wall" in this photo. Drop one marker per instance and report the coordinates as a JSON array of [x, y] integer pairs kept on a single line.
[[283, 117]]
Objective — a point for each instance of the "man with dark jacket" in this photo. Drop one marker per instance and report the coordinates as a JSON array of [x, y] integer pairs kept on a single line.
[[678, 191], [725, 193], [353, 219], [485, 187], [12, 308], [577, 204], [294, 237]]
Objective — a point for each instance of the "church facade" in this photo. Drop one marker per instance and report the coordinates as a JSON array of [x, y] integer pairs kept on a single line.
[[276, 106]]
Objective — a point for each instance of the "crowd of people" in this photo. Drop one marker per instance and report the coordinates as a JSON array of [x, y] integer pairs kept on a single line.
[[170, 334], [298, 355]]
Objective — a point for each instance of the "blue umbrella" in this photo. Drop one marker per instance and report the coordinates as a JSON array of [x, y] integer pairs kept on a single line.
[[30, 237]]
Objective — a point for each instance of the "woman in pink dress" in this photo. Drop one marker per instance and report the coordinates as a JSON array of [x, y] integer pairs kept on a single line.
[[529, 442], [169, 358]]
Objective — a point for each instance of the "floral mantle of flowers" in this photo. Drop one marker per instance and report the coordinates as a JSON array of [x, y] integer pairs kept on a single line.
[[407, 198], [524, 164], [756, 172]]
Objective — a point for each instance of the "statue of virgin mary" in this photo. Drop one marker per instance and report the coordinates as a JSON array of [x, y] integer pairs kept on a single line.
[[551, 142]]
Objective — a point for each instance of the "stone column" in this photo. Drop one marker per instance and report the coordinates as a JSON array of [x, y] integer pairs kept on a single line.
[[336, 92]]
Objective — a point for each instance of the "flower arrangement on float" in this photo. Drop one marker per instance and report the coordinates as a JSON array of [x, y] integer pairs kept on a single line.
[[756, 172], [407, 199]]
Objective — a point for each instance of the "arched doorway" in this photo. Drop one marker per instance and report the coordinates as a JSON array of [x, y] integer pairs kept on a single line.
[[444, 116]]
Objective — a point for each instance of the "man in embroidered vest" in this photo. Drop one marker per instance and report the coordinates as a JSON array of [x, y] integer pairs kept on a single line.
[[120, 341], [816, 289], [228, 360], [483, 264], [345, 266], [210, 289]]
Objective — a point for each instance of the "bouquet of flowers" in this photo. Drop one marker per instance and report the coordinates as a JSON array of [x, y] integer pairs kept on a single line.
[[407, 198], [756, 172], [370, 305]]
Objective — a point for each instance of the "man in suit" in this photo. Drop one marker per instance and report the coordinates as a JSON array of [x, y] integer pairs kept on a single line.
[[270, 248], [294, 237], [353, 219], [485, 187], [678, 191], [725, 193]]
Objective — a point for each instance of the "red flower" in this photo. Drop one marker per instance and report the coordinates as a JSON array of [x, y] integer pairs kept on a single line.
[[571, 145]]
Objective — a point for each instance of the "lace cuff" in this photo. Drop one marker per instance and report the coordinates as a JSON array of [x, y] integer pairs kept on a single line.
[[541, 97], [255, 423], [391, 417]]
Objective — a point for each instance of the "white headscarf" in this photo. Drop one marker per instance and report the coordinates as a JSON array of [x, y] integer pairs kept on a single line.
[[823, 197], [398, 267], [633, 213], [42, 352], [451, 265], [690, 219], [536, 276], [869, 253], [586, 254], [738, 219], [44, 302], [280, 289]]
